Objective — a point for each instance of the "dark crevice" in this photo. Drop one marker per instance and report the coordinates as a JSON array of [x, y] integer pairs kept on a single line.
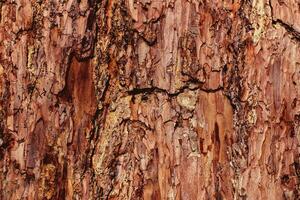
[[65, 94], [151, 90], [271, 8], [288, 27]]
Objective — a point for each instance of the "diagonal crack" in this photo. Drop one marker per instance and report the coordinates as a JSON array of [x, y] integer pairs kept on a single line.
[[289, 28]]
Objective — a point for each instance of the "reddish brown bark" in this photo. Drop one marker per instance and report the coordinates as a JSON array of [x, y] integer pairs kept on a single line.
[[148, 99]]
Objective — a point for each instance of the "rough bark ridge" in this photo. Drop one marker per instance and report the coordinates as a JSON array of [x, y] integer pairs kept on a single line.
[[144, 99]]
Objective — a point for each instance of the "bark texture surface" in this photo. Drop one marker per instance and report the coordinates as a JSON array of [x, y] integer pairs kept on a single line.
[[149, 99]]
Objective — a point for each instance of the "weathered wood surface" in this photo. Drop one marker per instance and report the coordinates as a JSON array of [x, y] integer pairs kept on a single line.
[[149, 99]]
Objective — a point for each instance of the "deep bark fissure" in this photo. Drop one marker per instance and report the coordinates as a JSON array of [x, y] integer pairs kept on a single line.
[[152, 90]]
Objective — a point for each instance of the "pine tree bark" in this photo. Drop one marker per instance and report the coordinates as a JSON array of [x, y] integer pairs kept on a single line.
[[144, 99]]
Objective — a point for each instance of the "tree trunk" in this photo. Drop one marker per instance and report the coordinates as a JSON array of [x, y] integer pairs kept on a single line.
[[149, 99]]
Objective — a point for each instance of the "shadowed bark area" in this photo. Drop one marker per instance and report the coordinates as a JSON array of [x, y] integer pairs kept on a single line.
[[144, 99]]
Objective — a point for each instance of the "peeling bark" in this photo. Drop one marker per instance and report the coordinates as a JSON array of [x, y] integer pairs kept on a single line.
[[146, 99]]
